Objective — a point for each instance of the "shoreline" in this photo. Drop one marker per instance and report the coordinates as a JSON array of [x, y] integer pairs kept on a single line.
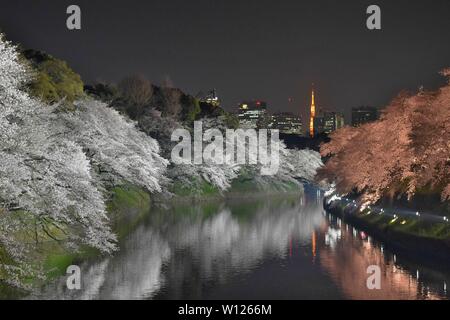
[[413, 246]]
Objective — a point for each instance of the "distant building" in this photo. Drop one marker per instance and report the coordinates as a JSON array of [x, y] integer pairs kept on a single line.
[[210, 98], [332, 121], [323, 121], [287, 122], [362, 115], [318, 123], [252, 114]]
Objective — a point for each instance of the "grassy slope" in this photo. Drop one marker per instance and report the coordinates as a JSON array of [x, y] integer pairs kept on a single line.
[[126, 208], [248, 186], [411, 226], [197, 189], [417, 239], [242, 186]]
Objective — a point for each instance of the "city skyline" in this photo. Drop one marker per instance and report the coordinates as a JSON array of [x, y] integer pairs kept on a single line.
[[271, 46]]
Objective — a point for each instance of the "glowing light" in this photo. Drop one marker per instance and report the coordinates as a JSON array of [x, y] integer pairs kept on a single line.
[[313, 115], [313, 246], [334, 198]]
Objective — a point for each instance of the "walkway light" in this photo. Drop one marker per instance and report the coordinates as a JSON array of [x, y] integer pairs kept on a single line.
[[393, 220]]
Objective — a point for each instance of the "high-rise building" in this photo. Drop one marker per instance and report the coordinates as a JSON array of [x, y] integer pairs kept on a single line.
[[332, 121], [287, 122], [318, 126], [252, 114], [362, 115]]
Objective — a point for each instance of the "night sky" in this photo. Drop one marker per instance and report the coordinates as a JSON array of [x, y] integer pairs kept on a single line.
[[270, 50]]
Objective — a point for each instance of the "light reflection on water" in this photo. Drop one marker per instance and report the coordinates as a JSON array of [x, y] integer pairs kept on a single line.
[[265, 248]]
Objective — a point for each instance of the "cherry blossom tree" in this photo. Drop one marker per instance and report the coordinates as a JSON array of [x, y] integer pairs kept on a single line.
[[192, 176], [117, 149], [44, 178], [295, 168], [292, 167], [55, 165], [405, 152]]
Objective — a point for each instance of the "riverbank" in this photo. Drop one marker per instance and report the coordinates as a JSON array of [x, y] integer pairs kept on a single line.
[[412, 236], [126, 208], [240, 187]]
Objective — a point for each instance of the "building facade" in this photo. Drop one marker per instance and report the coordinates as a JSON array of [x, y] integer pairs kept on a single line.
[[318, 126], [287, 123], [252, 114], [332, 121]]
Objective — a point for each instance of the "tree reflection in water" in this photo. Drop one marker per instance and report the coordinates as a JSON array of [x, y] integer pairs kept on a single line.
[[187, 251]]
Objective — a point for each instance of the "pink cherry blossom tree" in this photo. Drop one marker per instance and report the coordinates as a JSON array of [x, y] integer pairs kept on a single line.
[[405, 152]]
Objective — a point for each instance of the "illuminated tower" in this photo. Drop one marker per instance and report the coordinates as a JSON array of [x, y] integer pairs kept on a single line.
[[313, 115]]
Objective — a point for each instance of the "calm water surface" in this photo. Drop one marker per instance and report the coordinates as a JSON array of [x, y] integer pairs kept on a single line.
[[265, 248]]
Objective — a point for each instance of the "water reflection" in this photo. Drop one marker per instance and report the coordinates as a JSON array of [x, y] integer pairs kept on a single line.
[[255, 248], [349, 267]]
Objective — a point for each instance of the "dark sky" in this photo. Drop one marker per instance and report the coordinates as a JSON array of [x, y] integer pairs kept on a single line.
[[269, 50]]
